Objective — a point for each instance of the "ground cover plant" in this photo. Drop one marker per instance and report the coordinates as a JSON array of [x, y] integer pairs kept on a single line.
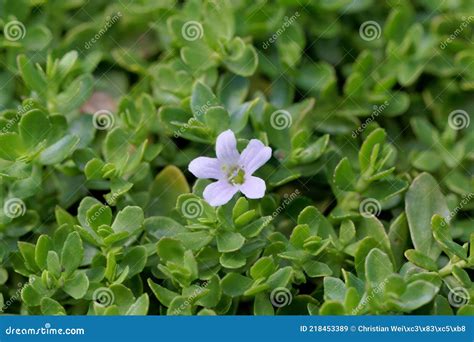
[[245, 157]]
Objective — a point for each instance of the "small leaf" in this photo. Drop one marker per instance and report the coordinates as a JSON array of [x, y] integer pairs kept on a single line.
[[53, 264], [416, 295], [377, 267], [376, 137], [72, 253], [421, 260], [129, 219], [164, 295], [51, 307], [77, 285], [140, 307], [33, 128], [43, 245], [170, 250], [202, 98], [228, 241], [422, 201], [234, 284], [344, 175], [59, 151]]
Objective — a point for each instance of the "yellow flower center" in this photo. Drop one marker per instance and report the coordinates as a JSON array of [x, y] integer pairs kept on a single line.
[[235, 175]]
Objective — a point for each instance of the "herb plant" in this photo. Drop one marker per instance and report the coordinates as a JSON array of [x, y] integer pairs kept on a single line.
[[244, 157]]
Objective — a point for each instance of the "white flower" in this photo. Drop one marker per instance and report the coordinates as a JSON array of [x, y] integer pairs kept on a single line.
[[233, 171]]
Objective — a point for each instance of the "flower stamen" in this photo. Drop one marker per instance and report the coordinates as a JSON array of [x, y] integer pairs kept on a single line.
[[235, 175]]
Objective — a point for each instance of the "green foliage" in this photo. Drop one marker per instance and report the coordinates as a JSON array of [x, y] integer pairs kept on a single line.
[[367, 106]]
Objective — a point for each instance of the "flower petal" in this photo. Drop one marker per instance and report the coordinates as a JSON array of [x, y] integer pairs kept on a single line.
[[253, 187], [254, 156], [226, 148], [219, 193], [205, 167]]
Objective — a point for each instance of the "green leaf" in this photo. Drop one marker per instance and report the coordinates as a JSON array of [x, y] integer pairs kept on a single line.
[[72, 253], [316, 269], [241, 59], [234, 284], [34, 127], [443, 236], [416, 295], [28, 252], [43, 245], [300, 233], [99, 215], [262, 268], [214, 294], [129, 219], [53, 264], [135, 259], [202, 99], [217, 119], [262, 305], [377, 137], [164, 295], [170, 250], [344, 176], [423, 200], [334, 289], [76, 286], [140, 307], [280, 278], [59, 151], [421, 260], [180, 306], [378, 267], [33, 78], [51, 307], [347, 232], [332, 308], [12, 146], [228, 241], [30, 296], [168, 185], [240, 207], [75, 94]]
